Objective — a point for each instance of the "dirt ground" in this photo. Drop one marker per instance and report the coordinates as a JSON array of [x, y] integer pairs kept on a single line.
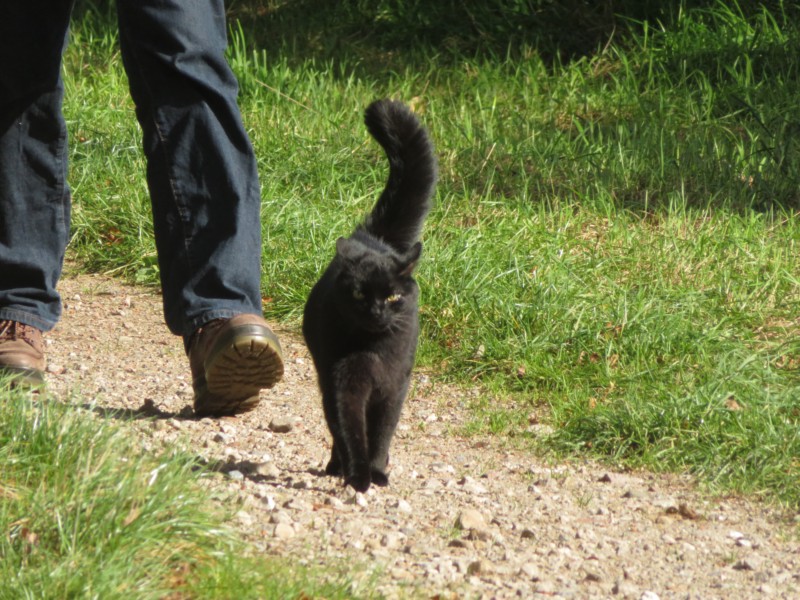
[[463, 517]]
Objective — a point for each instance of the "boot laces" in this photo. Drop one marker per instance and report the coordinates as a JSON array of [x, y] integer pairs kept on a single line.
[[12, 331]]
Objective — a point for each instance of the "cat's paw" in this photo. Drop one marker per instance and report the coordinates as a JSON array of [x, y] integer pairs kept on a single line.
[[334, 468], [359, 483], [379, 478]]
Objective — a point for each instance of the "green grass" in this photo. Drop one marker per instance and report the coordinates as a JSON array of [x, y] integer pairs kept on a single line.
[[85, 514], [615, 239]]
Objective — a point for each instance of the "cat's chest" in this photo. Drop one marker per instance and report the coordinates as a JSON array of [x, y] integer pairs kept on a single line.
[[387, 348]]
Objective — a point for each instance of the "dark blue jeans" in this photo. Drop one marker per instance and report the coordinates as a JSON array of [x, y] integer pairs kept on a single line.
[[201, 170]]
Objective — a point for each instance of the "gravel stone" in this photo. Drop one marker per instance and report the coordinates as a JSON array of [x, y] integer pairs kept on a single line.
[[481, 567], [280, 517], [530, 571], [268, 502], [392, 540], [283, 531], [281, 425], [245, 518], [268, 469], [54, 369], [403, 506], [627, 590], [470, 519], [750, 563], [334, 502]]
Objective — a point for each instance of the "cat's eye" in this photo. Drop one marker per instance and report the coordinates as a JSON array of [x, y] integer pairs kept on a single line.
[[393, 298], [358, 294]]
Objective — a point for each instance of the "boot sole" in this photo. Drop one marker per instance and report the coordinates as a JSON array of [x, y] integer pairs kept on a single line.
[[242, 362]]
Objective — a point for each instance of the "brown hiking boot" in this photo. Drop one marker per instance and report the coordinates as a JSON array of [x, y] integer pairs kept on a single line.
[[22, 353], [231, 361]]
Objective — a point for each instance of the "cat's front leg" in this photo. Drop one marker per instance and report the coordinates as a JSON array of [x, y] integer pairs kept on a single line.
[[355, 386], [379, 456], [360, 478], [379, 459], [379, 477], [335, 465], [382, 423]]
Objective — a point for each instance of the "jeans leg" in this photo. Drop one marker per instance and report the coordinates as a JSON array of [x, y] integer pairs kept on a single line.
[[34, 196], [201, 168]]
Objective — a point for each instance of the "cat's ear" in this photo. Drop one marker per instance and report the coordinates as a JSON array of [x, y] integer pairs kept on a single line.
[[410, 260]]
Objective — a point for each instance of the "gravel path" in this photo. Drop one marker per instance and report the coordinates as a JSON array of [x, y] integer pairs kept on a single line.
[[463, 517]]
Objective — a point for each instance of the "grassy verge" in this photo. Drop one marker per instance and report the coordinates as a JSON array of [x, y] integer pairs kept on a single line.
[[615, 240], [84, 514]]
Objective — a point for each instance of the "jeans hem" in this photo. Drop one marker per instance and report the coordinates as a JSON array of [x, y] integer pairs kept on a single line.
[[26, 318]]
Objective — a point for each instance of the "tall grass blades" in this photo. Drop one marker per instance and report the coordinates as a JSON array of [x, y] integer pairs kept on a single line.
[[86, 515]]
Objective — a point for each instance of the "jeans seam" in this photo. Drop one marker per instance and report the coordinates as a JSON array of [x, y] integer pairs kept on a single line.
[[62, 177], [176, 196]]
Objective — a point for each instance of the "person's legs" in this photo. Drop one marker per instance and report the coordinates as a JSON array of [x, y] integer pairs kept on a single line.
[[201, 169], [34, 196], [201, 172]]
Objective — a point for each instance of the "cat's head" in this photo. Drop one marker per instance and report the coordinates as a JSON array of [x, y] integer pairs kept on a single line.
[[375, 289]]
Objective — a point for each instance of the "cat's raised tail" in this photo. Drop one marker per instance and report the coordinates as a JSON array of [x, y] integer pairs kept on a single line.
[[400, 211]]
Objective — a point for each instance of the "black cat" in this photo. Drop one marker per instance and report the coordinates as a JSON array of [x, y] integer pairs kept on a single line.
[[360, 321]]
